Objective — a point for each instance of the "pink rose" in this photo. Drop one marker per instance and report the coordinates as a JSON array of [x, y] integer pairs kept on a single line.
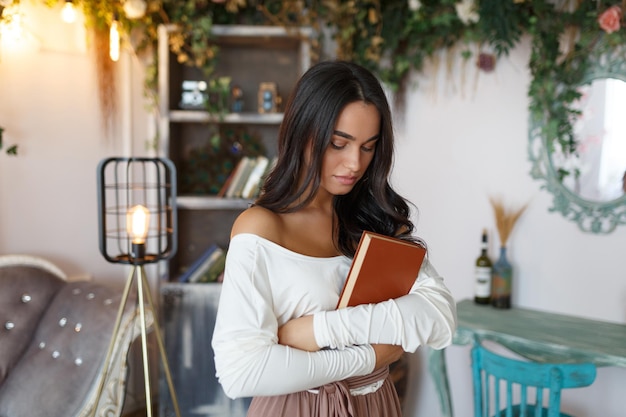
[[609, 21]]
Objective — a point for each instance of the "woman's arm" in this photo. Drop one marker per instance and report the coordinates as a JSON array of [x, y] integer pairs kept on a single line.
[[426, 316], [248, 359], [298, 333]]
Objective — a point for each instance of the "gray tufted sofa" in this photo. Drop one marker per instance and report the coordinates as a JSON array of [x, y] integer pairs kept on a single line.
[[54, 337]]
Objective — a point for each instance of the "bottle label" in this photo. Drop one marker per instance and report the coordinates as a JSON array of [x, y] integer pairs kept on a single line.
[[483, 281]]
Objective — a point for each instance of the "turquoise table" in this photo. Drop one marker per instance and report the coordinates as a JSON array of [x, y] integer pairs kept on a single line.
[[534, 334]]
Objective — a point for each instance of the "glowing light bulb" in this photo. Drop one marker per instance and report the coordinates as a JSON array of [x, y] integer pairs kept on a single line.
[[114, 41], [68, 13], [135, 9], [137, 223]]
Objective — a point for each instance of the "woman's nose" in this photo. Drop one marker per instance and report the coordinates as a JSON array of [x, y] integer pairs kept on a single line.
[[352, 160]]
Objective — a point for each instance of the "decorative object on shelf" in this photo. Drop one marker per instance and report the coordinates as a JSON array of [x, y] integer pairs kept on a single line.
[[483, 272], [236, 97], [194, 95], [269, 100], [502, 279], [219, 95], [205, 168], [137, 222]]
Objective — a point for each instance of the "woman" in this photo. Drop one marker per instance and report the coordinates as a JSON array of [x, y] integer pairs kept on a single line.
[[278, 336]]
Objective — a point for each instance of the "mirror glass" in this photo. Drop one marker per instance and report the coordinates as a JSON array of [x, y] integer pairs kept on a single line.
[[596, 170]]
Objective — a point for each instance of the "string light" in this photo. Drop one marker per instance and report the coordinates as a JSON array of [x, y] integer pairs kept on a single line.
[[135, 9], [114, 41], [68, 13]]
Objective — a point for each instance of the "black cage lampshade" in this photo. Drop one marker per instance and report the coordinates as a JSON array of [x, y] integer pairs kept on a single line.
[[137, 209]]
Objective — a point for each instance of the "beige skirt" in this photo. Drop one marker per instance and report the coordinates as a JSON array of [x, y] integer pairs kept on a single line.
[[348, 398]]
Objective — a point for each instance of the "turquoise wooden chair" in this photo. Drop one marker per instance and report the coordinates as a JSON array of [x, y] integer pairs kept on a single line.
[[506, 387]]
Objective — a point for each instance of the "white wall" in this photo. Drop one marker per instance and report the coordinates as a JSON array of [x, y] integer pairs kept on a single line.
[[458, 146], [49, 107], [459, 143]]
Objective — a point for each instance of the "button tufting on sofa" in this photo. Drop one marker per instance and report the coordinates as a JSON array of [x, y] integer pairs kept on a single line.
[[57, 331]]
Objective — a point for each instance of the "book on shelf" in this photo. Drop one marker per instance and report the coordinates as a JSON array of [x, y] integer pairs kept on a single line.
[[214, 271], [224, 188], [270, 166], [239, 180], [383, 268], [234, 177], [185, 276], [246, 179], [253, 182], [203, 273]]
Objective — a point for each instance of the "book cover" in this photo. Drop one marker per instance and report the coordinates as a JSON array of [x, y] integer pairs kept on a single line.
[[383, 268], [215, 269], [229, 179], [254, 179], [248, 168], [200, 273], [237, 175], [184, 277], [270, 167]]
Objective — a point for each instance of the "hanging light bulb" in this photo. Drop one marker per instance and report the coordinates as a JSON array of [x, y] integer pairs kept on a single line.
[[135, 9], [114, 40], [68, 13]]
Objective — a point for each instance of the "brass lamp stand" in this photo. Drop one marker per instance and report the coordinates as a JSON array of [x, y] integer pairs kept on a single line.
[[137, 223]]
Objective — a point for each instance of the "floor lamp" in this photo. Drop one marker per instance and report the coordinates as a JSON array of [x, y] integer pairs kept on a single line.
[[137, 220]]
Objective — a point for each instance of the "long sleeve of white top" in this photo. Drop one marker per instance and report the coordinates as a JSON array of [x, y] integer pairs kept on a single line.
[[248, 359], [424, 317]]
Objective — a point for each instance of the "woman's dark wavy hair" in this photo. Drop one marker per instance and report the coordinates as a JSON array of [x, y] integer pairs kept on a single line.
[[310, 117]]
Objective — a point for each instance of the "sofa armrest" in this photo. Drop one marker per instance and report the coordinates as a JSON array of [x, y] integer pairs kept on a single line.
[[26, 290]]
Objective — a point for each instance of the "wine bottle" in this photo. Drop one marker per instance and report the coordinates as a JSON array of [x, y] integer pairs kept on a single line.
[[482, 274]]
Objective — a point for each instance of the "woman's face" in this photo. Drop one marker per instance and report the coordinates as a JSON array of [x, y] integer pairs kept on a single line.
[[351, 148]]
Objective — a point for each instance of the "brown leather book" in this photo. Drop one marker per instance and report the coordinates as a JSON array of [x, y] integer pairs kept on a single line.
[[383, 268]]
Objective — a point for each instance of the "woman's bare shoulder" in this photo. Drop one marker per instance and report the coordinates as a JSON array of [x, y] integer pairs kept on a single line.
[[258, 221]]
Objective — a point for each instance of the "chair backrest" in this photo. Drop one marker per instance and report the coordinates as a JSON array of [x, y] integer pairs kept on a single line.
[[502, 384]]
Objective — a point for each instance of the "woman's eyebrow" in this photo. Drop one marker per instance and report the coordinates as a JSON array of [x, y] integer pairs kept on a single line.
[[350, 137]]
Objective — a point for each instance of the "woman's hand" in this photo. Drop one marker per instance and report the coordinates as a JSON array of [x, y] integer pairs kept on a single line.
[[298, 333], [387, 354]]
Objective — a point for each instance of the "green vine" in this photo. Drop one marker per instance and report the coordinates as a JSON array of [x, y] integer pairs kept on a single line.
[[394, 38]]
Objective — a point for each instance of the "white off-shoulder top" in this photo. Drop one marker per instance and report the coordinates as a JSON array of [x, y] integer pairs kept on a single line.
[[265, 285]]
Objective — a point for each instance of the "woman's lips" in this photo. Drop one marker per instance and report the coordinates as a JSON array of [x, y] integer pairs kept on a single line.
[[346, 180]]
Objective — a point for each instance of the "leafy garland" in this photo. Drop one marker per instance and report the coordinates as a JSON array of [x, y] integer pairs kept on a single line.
[[396, 37]]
